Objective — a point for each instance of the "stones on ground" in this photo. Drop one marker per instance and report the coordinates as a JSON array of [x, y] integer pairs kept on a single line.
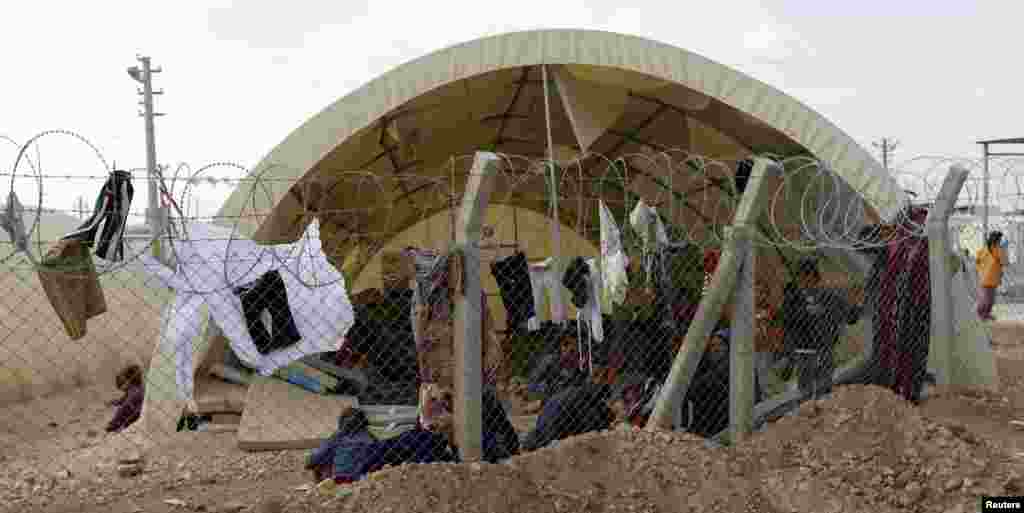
[[129, 470], [232, 507], [269, 505], [1013, 484], [951, 485], [129, 457]]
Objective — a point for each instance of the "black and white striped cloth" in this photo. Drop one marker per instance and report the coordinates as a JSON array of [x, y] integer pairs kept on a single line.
[[104, 230]]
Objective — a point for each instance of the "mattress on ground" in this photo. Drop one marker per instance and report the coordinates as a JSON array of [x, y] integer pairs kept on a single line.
[[385, 414], [216, 396], [282, 416]]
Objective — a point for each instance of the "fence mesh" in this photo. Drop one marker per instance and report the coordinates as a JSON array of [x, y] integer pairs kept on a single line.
[[593, 271]]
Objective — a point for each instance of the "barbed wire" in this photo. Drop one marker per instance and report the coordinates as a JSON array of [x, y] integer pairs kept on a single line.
[[679, 166], [807, 208]]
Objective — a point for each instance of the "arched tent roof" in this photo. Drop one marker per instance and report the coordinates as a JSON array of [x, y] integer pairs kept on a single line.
[[374, 153]]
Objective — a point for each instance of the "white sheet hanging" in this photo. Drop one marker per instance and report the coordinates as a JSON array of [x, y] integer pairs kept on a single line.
[[591, 312], [641, 219], [613, 262], [211, 263], [545, 280]]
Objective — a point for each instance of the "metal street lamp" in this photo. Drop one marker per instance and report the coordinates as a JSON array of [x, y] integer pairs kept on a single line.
[[135, 73]]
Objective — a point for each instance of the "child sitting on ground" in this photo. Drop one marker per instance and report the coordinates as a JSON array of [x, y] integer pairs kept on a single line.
[[129, 406], [341, 455]]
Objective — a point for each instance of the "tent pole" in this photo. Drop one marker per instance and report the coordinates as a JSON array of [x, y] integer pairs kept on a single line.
[[555, 228]]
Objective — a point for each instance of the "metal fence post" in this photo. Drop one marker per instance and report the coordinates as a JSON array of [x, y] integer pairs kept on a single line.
[[741, 347], [666, 409], [469, 310], [939, 250]]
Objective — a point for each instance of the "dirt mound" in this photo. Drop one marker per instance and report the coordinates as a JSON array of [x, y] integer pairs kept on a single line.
[[863, 449], [620, 470]]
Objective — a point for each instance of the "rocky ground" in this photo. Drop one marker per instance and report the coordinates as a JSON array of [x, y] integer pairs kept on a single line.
[[863, 449]]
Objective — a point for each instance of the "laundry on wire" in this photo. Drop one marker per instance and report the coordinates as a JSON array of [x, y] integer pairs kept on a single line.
[[212, 264]]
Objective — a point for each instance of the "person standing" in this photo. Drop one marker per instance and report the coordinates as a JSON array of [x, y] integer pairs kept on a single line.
[[813, 317], [990, 261]]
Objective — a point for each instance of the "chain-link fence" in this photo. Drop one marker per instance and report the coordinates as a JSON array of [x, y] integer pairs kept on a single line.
[[493, 308]]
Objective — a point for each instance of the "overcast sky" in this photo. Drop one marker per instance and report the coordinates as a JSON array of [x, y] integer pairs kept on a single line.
[[239, 76]]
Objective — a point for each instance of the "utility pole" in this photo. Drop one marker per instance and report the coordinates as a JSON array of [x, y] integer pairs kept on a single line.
[[887, 146], [154, 214], [80, 207]]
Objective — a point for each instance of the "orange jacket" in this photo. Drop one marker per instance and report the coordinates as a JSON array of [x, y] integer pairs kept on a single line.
[[990, 266]]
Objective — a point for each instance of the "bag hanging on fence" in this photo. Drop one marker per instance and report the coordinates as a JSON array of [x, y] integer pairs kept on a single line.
[[68, 276], [67, 272]]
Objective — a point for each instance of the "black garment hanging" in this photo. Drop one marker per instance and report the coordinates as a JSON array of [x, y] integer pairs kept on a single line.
[[513, 278], [743, 170], [110, 212], [577, 280], [268, 293]]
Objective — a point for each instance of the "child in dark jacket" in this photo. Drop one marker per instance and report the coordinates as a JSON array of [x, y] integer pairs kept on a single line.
[[345, 455], [814, 318], [129, 406]]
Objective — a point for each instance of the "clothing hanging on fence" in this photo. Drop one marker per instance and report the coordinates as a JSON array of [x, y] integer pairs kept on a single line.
[[212, 263], [743, 170], [68, 276], [67, 272], [438, 280], [589, 321], [878, 254], [583, 279], [613, 262], [544, 280], [512, 275], [914, 321], [110, 213], [888, 306], [12, 220], [268, 294], [643, 218], [429, 272]]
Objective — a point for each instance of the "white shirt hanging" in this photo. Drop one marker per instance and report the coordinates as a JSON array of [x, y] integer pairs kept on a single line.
[[211, 263], [545, 279]]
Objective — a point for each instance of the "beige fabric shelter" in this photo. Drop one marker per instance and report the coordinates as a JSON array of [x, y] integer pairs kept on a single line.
[[381, 164], [375, 162]]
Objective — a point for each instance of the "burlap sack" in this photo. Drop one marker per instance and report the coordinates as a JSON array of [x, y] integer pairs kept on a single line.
[[68, 276]]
